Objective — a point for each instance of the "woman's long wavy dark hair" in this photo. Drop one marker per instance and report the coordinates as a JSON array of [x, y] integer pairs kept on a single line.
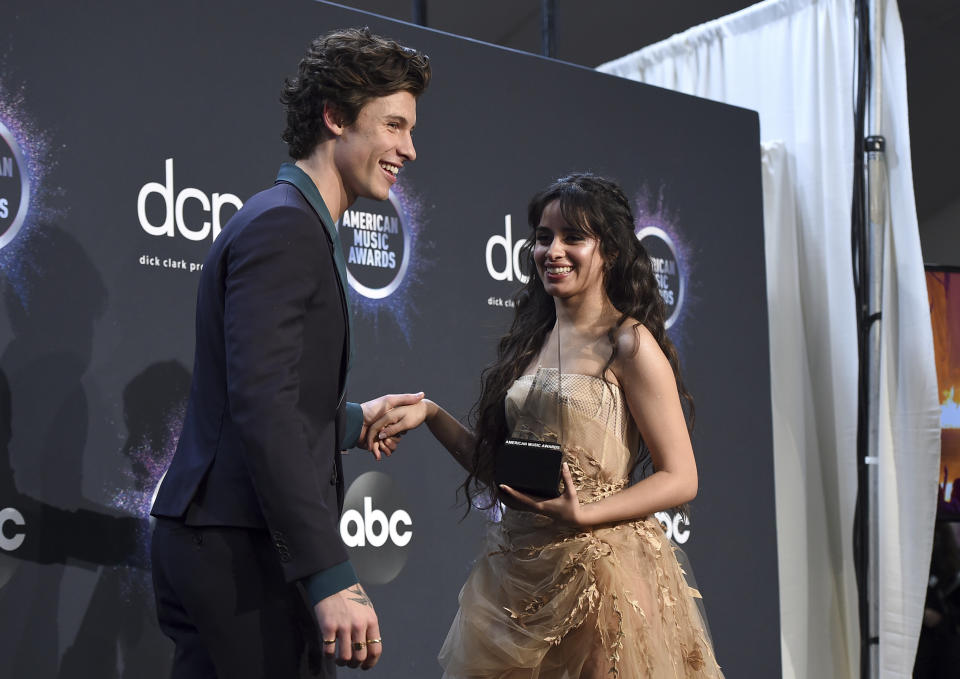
[[600, 209]]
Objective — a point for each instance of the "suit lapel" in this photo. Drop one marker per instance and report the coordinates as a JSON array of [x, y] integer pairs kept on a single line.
[[291, 174]]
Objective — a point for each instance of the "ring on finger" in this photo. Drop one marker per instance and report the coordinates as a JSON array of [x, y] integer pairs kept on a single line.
[[359, 645], [374, 641], [329, 642]]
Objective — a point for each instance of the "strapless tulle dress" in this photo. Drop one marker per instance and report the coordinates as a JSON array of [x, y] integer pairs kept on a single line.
[[551, 602]]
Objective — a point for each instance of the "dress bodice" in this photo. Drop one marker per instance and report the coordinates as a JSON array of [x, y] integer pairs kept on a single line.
[[587, 415]]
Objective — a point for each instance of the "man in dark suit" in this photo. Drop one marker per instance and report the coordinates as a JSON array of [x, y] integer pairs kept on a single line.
[[248, 513]]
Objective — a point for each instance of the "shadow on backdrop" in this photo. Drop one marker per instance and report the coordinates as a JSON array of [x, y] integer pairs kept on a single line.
[[119, 635], [53, 296]]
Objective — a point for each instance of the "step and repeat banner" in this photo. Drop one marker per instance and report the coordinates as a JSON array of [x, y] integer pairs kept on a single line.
[[130, 135]]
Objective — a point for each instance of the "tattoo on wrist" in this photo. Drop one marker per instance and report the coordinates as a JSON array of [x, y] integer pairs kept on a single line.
[[359, 596]]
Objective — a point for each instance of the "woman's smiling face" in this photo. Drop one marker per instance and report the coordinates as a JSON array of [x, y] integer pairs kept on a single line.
[[568, 259]]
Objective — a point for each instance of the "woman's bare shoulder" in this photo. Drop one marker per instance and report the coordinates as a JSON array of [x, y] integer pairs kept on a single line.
[[638, 351]]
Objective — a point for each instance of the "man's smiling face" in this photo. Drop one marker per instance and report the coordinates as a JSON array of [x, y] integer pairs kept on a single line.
[[371, 151]]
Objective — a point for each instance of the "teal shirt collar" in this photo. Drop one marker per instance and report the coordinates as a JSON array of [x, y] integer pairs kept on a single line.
[[292, 174]]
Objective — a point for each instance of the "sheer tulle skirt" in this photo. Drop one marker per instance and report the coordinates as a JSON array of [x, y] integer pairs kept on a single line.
[[547, 604]]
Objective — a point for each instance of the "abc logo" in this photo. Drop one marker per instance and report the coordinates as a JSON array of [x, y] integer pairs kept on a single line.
[[12, 535], [11, 529], [671, 526], [375, 528]]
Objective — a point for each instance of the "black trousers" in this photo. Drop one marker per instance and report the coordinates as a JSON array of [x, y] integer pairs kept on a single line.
[[222, 599]]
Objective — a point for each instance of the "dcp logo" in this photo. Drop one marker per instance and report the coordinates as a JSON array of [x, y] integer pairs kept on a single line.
[[375, 528], [14, 186], [512, 266], [175, 206], [376, 244], [666, 268]]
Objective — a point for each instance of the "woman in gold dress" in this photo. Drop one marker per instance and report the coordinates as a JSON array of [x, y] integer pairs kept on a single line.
[[584, 585]]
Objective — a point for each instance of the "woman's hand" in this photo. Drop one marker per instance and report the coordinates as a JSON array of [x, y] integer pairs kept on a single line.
[[375, 409], [397, 421], [565, 509]]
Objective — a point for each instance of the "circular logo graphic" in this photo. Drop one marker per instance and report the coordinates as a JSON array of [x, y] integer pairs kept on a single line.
[[376, 246], [376, 528], [14, 186], [666, 268]]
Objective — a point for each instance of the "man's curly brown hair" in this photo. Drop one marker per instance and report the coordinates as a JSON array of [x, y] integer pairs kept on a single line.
[[345, 69]]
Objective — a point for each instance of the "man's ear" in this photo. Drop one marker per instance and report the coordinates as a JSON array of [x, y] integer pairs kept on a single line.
[[333, 119]]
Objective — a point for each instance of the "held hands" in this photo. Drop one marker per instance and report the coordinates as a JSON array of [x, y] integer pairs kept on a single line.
[[375, 410], [349, 628], [397, 421], [565, 509]]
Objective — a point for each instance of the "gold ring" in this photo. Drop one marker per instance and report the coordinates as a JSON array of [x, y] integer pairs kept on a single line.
[[359, 645], [374, 641], [327, 642]]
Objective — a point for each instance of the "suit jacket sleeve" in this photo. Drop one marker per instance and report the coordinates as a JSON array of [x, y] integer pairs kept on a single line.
[[271, 278], [353, 425]]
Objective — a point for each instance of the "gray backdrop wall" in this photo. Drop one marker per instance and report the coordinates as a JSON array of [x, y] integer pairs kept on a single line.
[[138, 129]]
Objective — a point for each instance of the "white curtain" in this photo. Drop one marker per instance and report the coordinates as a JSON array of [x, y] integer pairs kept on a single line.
[[793, 62]]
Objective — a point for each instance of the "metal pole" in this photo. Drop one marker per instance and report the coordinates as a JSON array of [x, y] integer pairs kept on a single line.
[[877, 202], [877, 8], [548, 29], [420, 12]]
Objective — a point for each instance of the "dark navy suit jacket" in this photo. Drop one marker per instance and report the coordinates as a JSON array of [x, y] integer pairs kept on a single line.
[[266, 417]]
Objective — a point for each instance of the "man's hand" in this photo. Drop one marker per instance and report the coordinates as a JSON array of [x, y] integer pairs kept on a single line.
[[349, 628], [397, 421], [374, 410]]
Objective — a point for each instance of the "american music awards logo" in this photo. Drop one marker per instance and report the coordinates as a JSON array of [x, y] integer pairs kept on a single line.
[[26, 155], [14, 186], [670, 256], [376, 245], [666, 268], [379, 244]]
